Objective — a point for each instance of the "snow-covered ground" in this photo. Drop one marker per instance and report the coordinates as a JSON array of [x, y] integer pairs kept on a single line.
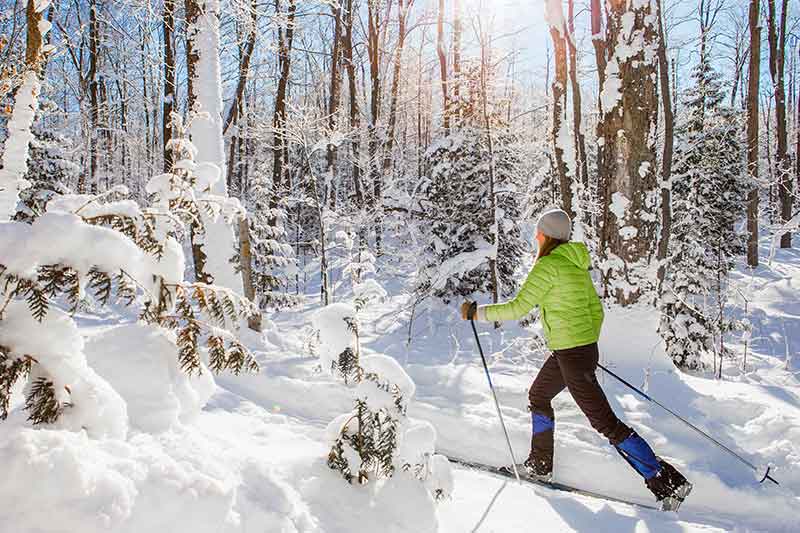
[[253, 458]]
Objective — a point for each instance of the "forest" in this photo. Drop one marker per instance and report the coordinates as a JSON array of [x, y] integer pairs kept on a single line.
[[204, 199]]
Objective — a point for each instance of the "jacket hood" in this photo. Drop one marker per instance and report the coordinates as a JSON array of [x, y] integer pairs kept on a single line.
[[575, 252]]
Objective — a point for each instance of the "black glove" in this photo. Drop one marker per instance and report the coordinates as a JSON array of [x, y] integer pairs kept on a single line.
[[469, 310]]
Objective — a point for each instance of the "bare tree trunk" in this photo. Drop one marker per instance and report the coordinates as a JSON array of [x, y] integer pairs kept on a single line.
[[374, 52], [797, 133], [236, 114], [280, 171], [145, 105], [246, 264], [577, 113], [666, 157], [559, 88], [403, 9], [777, 59], [485, 59], [455, 84], [597, 40], [333, 99], [355, 114], [752, 132], [169, 79], [94, 96], [626, 165], [440, 51]]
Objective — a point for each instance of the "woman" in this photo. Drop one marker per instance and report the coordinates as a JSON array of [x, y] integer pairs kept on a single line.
[[572, 315]]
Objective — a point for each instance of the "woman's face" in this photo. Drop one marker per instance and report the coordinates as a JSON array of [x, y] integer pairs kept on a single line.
[[540, 238]]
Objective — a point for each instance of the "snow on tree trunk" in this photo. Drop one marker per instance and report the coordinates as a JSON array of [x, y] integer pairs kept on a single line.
[[15, 149], [216, 247], [627, 158], [20, 135]]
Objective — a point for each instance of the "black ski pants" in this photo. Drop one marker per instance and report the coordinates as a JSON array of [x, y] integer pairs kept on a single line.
[[574, 369]]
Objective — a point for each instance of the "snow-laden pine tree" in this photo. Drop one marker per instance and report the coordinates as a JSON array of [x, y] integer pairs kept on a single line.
[[115, 251], [273, 258], [473, 201], [709, 187], [51, 171], [376, 440]]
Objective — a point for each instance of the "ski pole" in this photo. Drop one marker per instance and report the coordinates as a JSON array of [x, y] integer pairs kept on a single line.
[[692, 426], [494, 395]]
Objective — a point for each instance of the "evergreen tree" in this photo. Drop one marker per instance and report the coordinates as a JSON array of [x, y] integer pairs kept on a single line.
[[473, 222], [709, 188], [51, 171], [273, 258]]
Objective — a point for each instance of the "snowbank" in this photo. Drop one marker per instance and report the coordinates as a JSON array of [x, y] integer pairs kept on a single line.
[[180, 481], [56, 344], [334, 335], [141, 363]]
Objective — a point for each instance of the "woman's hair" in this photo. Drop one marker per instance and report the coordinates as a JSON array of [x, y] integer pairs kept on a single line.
[[550, 244]]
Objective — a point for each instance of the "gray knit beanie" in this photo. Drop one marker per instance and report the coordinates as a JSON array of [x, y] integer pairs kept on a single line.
[[556, 224]]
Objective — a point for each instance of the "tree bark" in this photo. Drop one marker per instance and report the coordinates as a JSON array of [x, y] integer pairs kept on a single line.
[[169, 79], [403, 9], [333, 99], [777, 59], [280, 171], [235, 116], [579, 138], [626, 165], [597, 40], [442, 54], [752, 132], [666, 156], [797, 133], [374, 54], [94, 96], [455, 84], [559, 89], [355, 114]]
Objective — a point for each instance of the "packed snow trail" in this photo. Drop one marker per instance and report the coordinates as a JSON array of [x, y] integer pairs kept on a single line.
[[484, 504], [757, 418]]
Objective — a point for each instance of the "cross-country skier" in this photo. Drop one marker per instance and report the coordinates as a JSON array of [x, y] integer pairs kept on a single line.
[[572, 315]]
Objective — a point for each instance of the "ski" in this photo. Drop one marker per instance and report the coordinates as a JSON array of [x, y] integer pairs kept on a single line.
[[507, 472]]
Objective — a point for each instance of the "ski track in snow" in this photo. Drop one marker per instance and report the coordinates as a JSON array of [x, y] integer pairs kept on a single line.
[[757, 413]]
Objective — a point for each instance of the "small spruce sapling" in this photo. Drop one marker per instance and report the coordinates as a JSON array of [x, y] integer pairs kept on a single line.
[[376, 440]]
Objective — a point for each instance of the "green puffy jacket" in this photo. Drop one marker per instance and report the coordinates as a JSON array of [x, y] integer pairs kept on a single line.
[[560, 285]]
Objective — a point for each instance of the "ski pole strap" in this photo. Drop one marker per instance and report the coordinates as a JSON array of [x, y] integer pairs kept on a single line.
[[689, 424]]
